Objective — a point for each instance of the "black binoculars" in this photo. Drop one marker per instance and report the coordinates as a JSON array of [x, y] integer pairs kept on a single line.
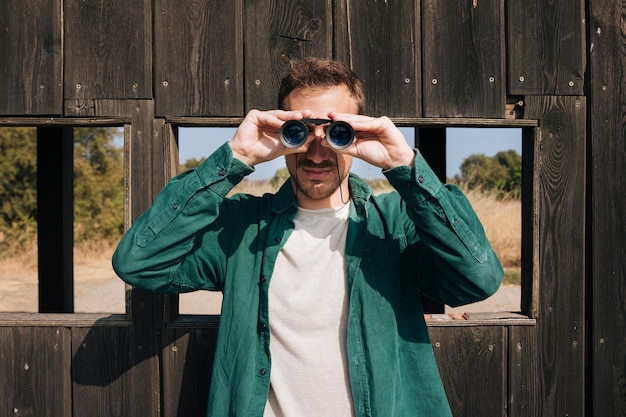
[[294, 133]]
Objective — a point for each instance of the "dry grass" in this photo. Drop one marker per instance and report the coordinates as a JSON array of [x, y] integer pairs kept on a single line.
[[502, 220]]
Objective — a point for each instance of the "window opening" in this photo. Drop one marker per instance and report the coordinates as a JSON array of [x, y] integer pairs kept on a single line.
[[98, 218], [498, 209], [195, 144], [94, 211], [487, 164]]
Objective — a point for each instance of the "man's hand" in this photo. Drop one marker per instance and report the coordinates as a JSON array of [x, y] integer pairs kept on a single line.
[[256, 139], [378, 141]]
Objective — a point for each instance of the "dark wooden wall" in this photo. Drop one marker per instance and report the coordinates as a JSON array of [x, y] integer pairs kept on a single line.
[[555, 68]]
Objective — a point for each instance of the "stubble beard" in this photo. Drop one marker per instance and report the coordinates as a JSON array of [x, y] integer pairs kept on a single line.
[[317, 190]]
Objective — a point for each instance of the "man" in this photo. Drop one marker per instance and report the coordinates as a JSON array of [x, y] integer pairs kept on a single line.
[[321, 314]]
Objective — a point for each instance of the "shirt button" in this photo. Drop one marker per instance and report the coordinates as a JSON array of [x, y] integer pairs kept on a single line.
[[277, 239], [263, 372], [263, 279], [175, 206], [221, 172], [420, 179]]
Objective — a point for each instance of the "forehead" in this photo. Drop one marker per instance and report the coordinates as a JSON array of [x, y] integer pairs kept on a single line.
[[322, 100]]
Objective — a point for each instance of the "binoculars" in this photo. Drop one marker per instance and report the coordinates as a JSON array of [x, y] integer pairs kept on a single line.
[[294, 133]]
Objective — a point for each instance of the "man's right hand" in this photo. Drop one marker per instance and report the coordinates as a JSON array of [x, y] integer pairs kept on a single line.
[[257, 140]]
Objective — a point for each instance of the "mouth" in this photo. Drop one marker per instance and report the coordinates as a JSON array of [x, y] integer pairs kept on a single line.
[[317, 173]]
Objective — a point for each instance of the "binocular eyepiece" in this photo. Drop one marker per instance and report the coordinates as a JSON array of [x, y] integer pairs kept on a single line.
[[294, 133]]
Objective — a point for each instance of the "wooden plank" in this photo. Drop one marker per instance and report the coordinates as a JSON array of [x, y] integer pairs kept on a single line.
[[108, 49], [546, 47], [198, 58], [523, 372], [432, 145], [63, 121], [529, 302], [607, 108], [55, 219], [113, 373], [400, 121], [187, 365], [35, 364], [472, 362], [276, 32], [381, 42], [561, 186], [101, 375], [30, 48], [139, 145], [463, 58], [66, 320]]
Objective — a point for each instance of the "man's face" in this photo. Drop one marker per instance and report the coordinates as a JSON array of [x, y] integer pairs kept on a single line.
[[319, 175]]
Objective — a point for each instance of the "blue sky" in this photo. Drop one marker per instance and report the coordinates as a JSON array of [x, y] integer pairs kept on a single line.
[[198, 142]]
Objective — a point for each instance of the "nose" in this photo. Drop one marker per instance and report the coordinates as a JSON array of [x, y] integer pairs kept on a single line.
[[316, 152]]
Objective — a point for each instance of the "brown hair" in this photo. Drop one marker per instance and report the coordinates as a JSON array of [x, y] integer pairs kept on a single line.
[[315, 72]]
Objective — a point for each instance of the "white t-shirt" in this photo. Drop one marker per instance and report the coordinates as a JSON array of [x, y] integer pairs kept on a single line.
[[308, 308]]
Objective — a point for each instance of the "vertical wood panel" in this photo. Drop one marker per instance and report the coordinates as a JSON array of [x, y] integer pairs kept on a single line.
[[522, 371], [187, 365], [140, 145], [35, 364], [608, 201], [472, 362], [381, 42], [530, 224], [463, 58], [30, 57], [276, 32], [112, 373], [108, 49], [55, 219], [198, 58], [546, 46], [561, 252]]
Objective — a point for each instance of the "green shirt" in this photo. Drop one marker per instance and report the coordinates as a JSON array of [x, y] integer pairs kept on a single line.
[[423, 238]]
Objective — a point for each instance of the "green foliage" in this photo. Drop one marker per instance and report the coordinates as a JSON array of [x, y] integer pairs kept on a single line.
[[98, 187], [501, 173], [18, 187]]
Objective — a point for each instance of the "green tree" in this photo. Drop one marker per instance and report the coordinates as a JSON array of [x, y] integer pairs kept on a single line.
[[502, 173], [98, 185], [18, 188]]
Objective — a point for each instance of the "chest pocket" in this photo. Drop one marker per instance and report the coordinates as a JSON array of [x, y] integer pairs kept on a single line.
[[383, 270]]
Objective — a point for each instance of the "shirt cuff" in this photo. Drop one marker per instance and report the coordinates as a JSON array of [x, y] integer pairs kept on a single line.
[[221, 172], [414, 183]]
